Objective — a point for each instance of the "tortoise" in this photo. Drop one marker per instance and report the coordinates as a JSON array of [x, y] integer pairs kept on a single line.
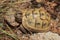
[[36, 20], [31, 20]]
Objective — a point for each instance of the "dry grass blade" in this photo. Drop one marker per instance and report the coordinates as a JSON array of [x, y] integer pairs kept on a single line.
[[11, 35]]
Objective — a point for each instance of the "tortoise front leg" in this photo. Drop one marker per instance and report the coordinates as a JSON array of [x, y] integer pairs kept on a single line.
[[24, 30]]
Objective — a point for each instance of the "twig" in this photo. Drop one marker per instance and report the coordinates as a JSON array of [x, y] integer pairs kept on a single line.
[[11, 35]]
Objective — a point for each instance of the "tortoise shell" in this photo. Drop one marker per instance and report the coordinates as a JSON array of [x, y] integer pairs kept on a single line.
[[36, 20]]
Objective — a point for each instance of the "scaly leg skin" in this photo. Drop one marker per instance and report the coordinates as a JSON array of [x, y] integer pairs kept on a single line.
[[25, 30], [22, 29]]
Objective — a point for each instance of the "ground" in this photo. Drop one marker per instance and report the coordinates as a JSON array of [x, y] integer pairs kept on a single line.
[[11, 19]]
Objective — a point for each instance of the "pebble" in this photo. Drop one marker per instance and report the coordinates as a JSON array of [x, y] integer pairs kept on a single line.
[[45, 36]]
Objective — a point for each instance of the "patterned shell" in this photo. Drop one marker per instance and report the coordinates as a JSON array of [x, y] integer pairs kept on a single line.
[[36, 20]]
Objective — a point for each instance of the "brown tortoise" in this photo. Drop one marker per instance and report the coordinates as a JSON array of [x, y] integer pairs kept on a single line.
[[33, 20], [36, 19]]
